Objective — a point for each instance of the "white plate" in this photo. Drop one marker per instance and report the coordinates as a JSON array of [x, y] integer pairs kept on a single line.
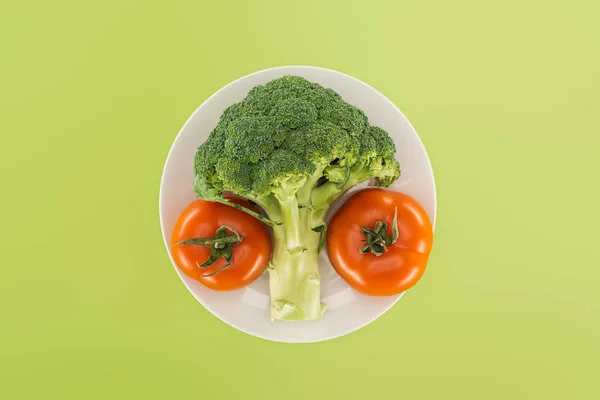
[[248, 309]]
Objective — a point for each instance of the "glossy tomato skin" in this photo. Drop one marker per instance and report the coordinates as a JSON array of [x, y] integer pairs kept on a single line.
[[402, 265], [250, 256]]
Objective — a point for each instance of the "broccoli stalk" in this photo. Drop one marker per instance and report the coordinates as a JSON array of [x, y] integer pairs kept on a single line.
[[294, 278], [293, 148]]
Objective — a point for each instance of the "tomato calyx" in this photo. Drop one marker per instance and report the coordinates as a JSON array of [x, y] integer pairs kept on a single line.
[[377, 240], [221, 246]]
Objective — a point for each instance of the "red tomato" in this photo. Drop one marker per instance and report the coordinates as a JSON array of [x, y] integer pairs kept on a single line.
[[404, 262], [249, 257]]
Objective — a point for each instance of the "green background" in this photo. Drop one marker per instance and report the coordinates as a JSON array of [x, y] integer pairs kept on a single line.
[[505, 96]]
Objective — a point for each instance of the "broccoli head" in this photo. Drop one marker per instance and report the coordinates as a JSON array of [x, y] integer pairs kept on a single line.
[[293, 147]]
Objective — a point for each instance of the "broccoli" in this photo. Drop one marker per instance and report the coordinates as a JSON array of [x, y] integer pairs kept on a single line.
[[293, 147]]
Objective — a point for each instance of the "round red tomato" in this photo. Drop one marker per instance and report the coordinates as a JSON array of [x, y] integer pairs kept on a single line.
[[249, 255], [375, 264]]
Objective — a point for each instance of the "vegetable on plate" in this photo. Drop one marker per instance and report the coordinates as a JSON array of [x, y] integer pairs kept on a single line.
[[379, 241], [293, 148], [219, 246]]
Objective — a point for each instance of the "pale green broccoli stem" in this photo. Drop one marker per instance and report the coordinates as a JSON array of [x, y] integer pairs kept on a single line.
[[294, 280], [324, 196], [290, 214], [294, 272], [270, 205], [305, 192]]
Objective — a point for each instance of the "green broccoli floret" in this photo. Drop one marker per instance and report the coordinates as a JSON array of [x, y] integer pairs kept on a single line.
[[293, 147]]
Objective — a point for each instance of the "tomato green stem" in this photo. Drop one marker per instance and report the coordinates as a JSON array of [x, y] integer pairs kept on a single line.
[[377, 240], [220, 246]]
